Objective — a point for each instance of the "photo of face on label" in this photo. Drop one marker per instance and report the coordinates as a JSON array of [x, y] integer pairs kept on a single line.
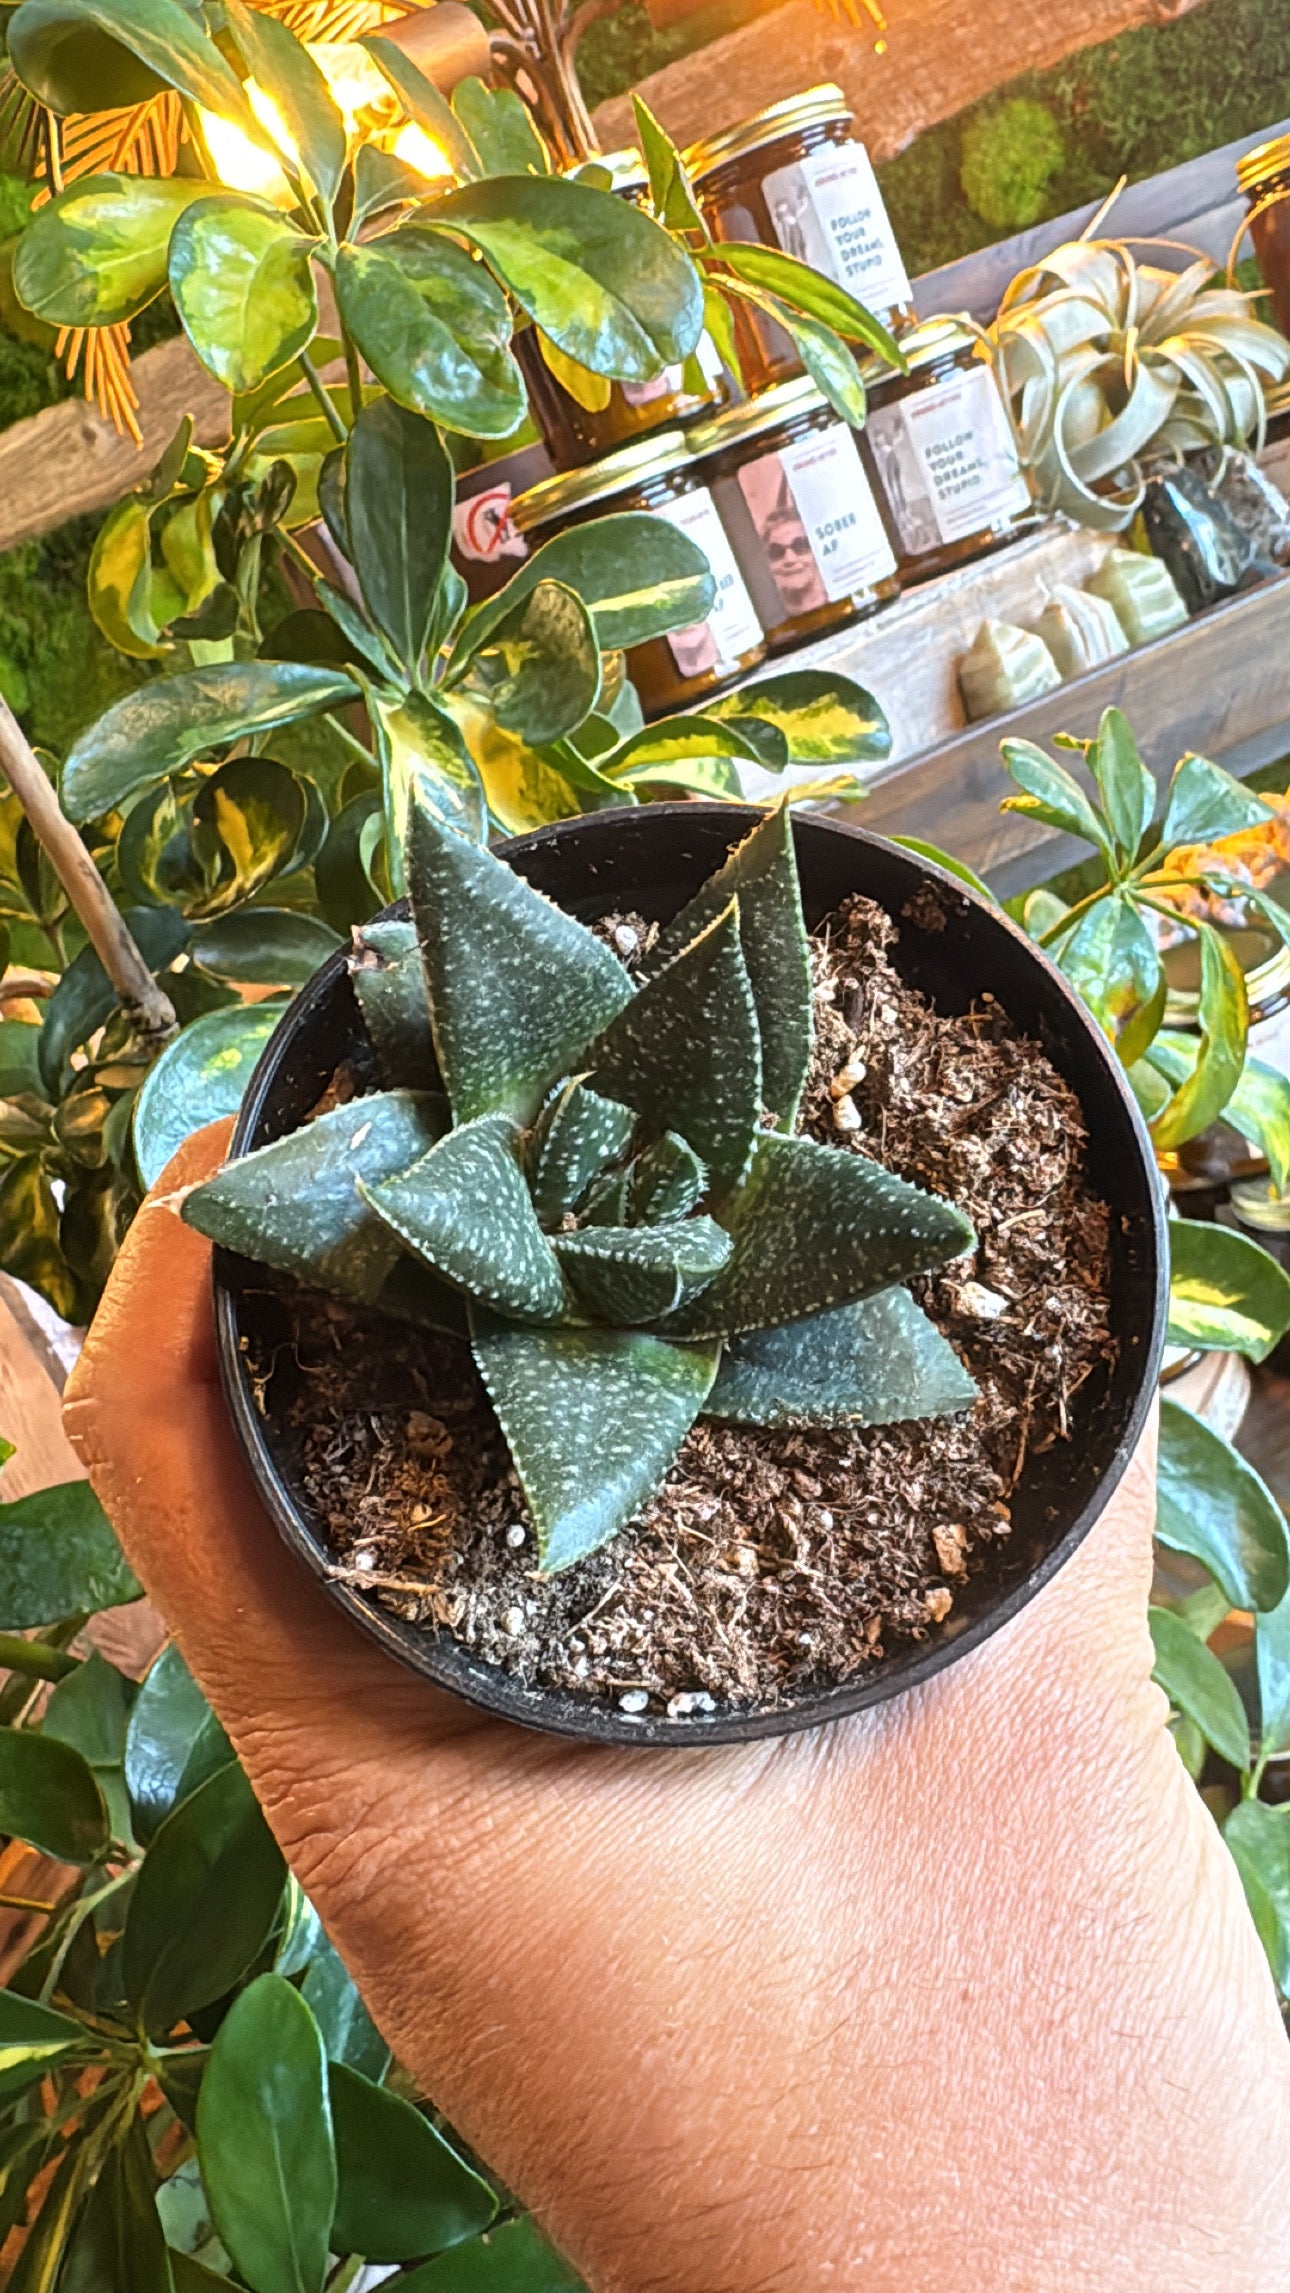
[[784, 539]]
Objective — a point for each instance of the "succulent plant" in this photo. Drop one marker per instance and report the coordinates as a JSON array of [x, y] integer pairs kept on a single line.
[[596, 1181]]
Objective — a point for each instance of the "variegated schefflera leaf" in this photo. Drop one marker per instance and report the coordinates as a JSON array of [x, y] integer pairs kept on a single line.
[[611, 1195]]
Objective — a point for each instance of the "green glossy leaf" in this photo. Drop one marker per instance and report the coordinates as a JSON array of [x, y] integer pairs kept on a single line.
[[593, 1419], [282, 66], [1124, 784], [85, 997], [295, 1205], [264, 947], [693, 743], [464, 1208], [118, 2245], [241, 278], [527, 787], [119, 580], [248, 820], [712, 776], [1259, 1839], [203, 1904], [670, 192], [686, 1054], [666, 1182], [97, 254], [95, 55], [403, 2191], [761, 873], [579, 1135], [424, 105], [264, 2139], [1260, 1109], [398, 517], [434, 330], [388, 980], [550, 986], [59, 1557], [877, 1362], [90, 1710], [1049, 794], [637, 575], [830, 364], [500, 128], [1272, 1655], [173, 1744], [823, 718], [808, 292], [49, 1796], [1225, 1293], [1223, 1014], [167, 723], [38, 2265], [540, 669], [628, 1274], [200, 1077], [1195, 1682], [33, 2039], [1211, 1504], [1111, 958], [816, 1227], [419, 742], [1204, 803], [513, 2259], [611, 289], [349, 2034], [346, 893], [952, 866], [381, 181]]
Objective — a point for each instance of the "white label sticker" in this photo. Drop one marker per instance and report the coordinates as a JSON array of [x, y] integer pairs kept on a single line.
[[732, 628], [1269, 1040], [817, 520], [948, 460], [828, 211]]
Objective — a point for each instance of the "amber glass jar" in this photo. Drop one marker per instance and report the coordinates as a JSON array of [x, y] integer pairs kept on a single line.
[[1264, 177], [794, 176], [577, 434], [796, 502], [1220, 1153], [942, 453], [659, 474]]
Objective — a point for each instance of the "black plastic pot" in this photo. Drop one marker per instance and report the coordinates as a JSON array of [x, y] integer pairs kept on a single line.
[[653, 860]]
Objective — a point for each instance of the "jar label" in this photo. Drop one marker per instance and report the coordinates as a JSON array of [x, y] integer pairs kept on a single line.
[[828, 211], [816, 520], [1269, 1040], [948, 461], [732, 628]]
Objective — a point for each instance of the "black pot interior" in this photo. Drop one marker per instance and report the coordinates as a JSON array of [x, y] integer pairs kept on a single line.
[[652, 860]]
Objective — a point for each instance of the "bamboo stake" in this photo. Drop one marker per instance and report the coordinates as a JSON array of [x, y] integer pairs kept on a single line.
[[149, 1010]]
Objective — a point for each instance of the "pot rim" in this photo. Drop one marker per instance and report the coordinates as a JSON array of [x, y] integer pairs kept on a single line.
[[446, 1661]]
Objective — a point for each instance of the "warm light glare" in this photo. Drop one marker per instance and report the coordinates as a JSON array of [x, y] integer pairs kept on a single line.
[[246, 166], [353, 81], [417, 149]]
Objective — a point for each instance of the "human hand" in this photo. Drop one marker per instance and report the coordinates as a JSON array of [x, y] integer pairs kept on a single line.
[[956, 1996]]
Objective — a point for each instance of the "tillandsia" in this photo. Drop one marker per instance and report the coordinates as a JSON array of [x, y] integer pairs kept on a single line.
[[1107, 359], [597, 1181]]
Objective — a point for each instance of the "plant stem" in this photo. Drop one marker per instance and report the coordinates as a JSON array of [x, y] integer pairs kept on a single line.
[[331, 414], [345, 2274], [81, 1911], [149, 1010], [353, 374], [35, 1658]]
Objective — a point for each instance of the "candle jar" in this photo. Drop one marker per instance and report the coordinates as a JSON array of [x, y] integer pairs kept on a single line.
[[1264, 177], [940, 445], [797, 505], [795, 176], [659, 474]]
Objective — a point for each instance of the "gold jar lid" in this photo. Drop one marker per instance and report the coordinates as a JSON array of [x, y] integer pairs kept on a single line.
[[816, 108], [1262, 164], [652, 457], [1267, 975], [754, 416], [626, 169]]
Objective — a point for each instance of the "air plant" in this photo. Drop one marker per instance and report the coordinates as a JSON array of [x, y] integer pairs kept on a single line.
[[1107, 360], [596, 1182]]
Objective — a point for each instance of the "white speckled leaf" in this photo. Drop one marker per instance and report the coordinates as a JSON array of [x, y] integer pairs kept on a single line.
[[876, 1362], [390, 985], [815, 1227], [762, 874], [295, 1204], [464, 1208], [639, 1273], [667, 1181], [685, 1052], [606, 1203], [517, 989], [593, 1420], [579, 1136]]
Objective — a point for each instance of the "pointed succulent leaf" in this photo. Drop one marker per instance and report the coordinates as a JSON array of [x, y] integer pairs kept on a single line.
[[606, 1204], [517, 989], [295, 1205], [632, 1274], [878, 1361], [685, 1052], [464, 1208], [579, 1135], [816, 1227], [666, 1183], [385, 967], [762, 874], [593, 1420]]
